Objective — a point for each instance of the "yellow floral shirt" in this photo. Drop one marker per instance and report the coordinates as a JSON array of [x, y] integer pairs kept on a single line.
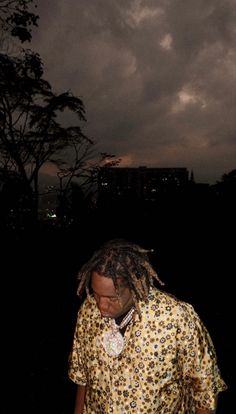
[[168, 364]]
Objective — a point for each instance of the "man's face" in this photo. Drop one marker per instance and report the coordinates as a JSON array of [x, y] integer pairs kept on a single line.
[[108, 302]]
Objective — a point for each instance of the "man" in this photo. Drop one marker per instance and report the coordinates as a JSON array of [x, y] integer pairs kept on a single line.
[[137, 349]]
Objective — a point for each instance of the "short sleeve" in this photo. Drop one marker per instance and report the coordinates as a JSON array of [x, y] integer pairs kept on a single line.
[[76, 370], [197, 359]]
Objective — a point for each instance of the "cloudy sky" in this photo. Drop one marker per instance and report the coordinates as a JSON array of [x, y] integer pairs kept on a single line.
[[157, 77]]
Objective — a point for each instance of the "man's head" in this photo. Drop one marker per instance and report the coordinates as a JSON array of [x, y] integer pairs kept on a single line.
[[112, 302], [127, 269]]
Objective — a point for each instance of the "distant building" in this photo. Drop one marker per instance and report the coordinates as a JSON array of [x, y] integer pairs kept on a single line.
[[143, 182]]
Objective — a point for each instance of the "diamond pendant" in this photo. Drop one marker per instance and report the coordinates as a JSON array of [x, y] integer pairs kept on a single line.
[[113, 343]]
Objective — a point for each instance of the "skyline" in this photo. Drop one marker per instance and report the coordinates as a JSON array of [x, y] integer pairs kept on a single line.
[[157, 79]]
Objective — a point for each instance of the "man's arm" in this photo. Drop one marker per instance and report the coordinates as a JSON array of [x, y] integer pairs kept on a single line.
[[79, 400]]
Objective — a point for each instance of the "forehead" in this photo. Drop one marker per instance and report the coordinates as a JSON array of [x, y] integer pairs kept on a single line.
[[102, 285]]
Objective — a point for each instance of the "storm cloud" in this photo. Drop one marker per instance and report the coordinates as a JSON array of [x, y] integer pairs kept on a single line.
[[158, 78]]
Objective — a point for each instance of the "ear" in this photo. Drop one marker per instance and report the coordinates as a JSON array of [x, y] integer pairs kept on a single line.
[[121, 282]]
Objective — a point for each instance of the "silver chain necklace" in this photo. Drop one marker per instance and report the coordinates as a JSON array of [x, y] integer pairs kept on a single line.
[[113, 341]]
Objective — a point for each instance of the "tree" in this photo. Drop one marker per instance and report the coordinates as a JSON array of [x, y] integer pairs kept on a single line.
[[230, 177], [228, 186], [79, 171], [16, 19], [31, 129]]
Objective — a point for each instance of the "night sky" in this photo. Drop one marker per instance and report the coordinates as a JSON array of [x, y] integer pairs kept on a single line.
[[157, 78]]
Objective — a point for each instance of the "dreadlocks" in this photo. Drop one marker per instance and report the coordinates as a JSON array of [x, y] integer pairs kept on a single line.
[[119, 258]]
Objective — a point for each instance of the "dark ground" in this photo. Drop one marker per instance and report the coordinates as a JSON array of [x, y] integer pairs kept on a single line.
[[193, 255]]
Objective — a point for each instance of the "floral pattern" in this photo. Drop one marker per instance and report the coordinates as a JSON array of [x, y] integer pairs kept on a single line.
[[168, 364]]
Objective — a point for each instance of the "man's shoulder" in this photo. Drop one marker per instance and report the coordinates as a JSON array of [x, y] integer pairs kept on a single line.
[[168, 301], [163, 297], [88, 308]]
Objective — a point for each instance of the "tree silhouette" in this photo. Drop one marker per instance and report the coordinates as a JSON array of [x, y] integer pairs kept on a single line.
[[229, 177], [227, 188], [32, 132], [16, 19], [31, 127]]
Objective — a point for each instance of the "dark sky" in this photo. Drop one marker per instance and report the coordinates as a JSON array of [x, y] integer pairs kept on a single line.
[[157, 77]]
